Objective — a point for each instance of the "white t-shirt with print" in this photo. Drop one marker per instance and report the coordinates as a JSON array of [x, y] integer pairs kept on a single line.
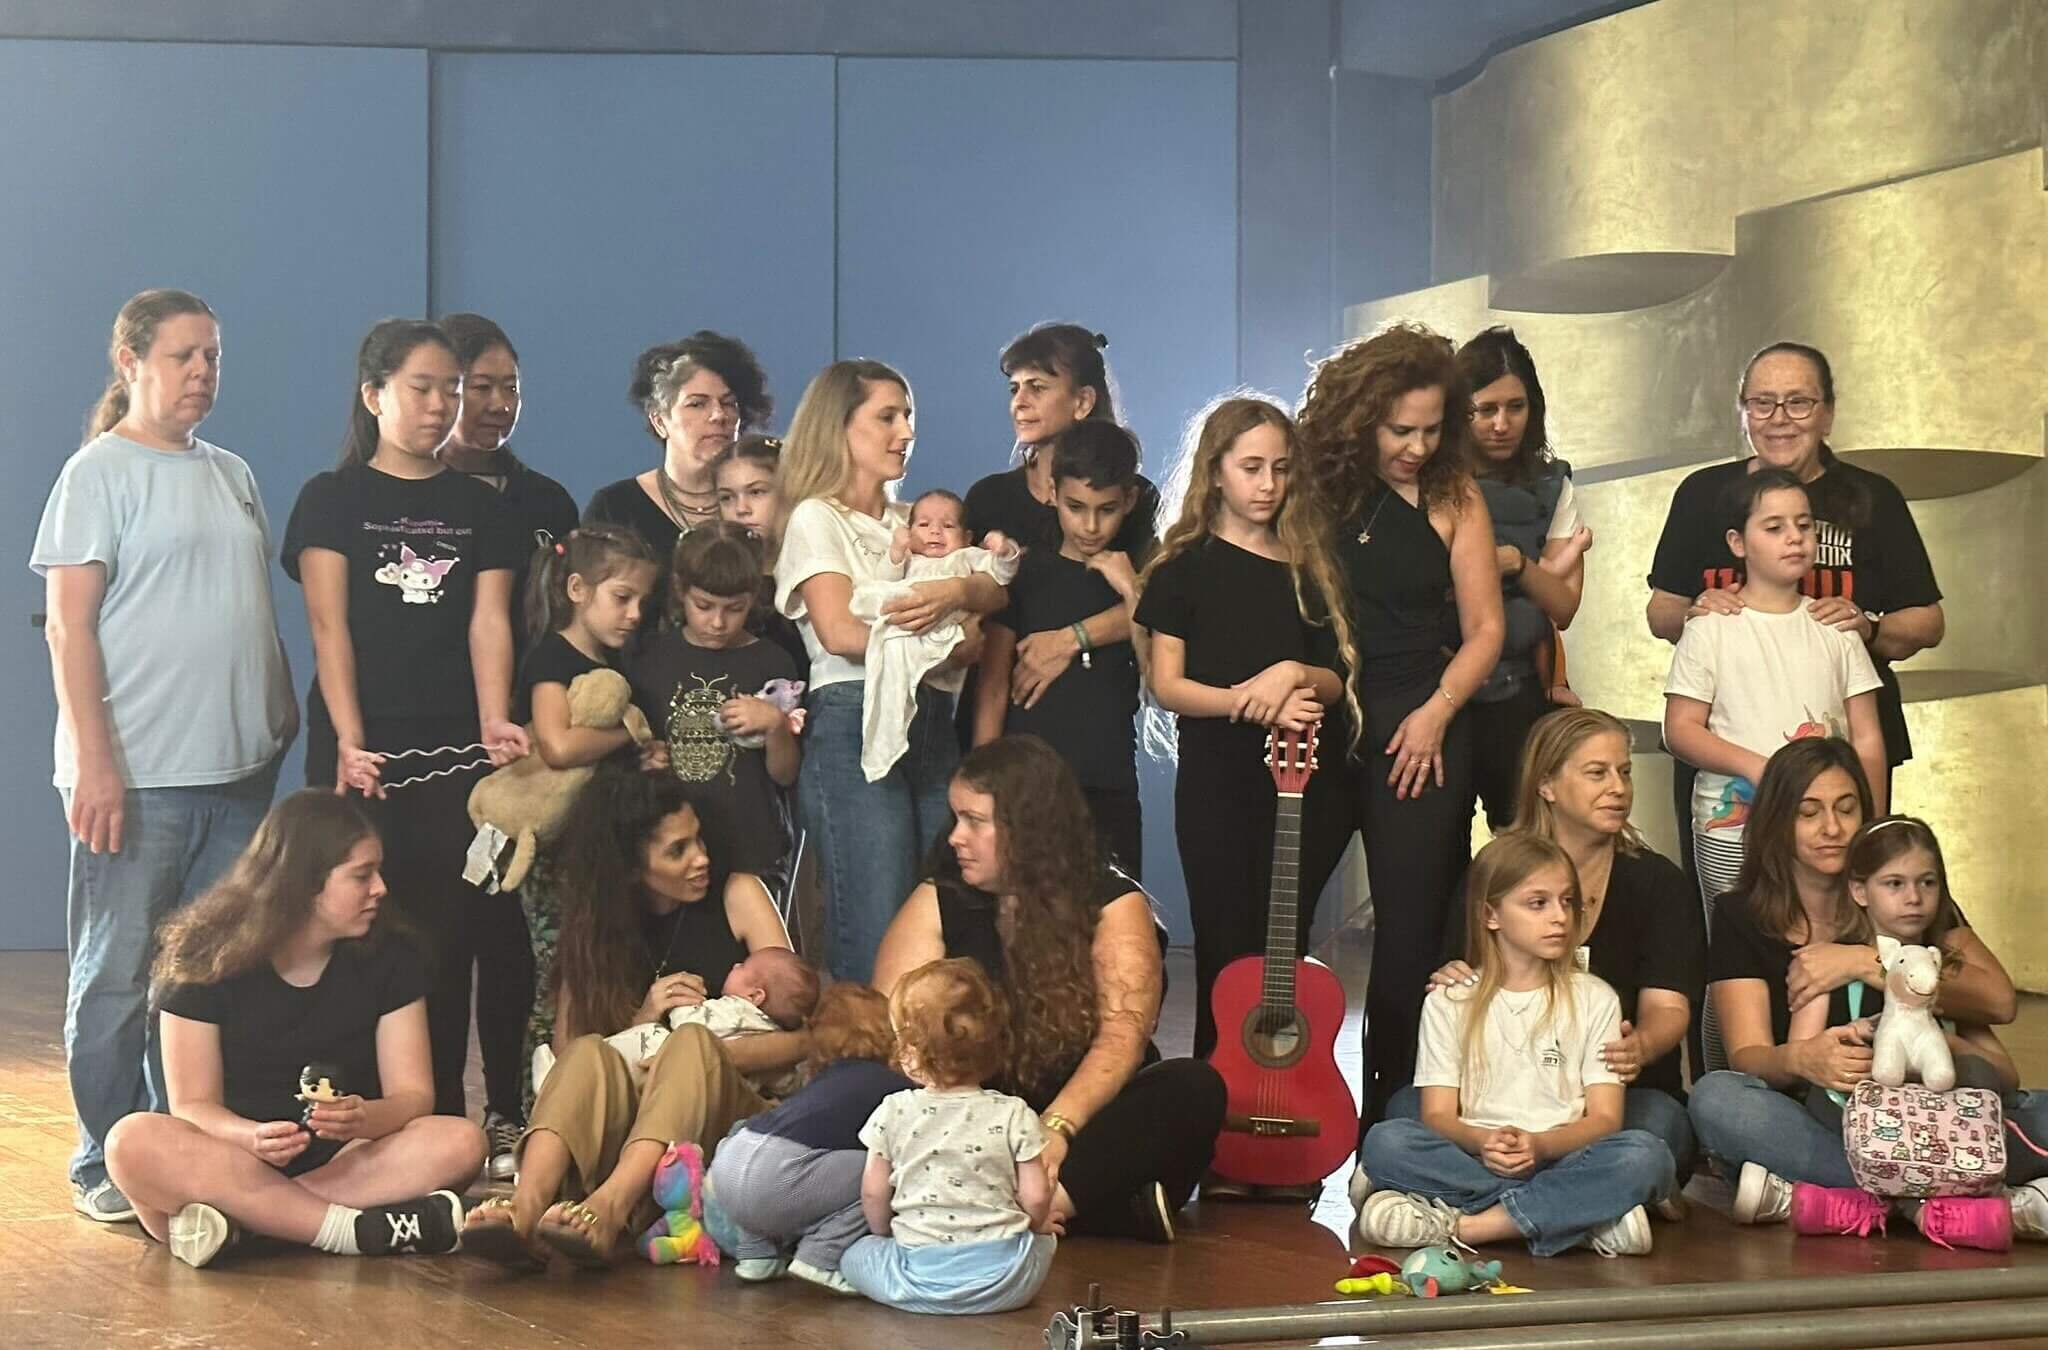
[[824, 536], [1771, 679], [1536, 1069], [953, 1159]]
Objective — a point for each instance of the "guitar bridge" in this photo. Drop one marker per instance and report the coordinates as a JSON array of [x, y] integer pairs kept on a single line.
[[1273, 1127]]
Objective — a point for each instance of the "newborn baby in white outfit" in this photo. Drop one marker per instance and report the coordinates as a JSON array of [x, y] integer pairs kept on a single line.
[[933, 546]]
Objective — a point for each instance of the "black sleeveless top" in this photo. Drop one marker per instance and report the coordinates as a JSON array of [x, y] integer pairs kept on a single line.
[[695, 938], [1404, 615], [967, 925]]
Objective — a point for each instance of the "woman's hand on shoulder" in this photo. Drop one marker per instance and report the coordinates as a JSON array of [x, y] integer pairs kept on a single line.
[[1453, 975], [1716, 600]]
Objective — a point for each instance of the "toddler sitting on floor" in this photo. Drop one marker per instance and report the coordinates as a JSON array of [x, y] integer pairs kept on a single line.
[[933, 546]]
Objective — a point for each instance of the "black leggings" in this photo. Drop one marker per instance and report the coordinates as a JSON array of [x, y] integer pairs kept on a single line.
[[1162, 1127], [1499, 732], [1416, 852], [1223, 813], [426, 831]]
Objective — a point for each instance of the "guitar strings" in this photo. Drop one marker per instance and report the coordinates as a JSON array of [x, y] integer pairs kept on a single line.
[[463, 767]]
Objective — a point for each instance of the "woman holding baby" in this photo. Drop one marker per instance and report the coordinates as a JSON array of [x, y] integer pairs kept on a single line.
[[848, 443], [600, 1123]]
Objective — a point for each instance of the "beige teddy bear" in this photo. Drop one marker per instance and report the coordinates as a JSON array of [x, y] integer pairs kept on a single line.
[[526, 799]]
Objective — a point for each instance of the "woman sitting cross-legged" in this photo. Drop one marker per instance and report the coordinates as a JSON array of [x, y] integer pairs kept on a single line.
[[1021, 885], [649, 924], [294, 1032]]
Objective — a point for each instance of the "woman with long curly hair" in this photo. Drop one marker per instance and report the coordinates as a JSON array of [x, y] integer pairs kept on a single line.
[[649, 923], [1245, 609], [294, 1030], [1384, 432], [1021, 885]]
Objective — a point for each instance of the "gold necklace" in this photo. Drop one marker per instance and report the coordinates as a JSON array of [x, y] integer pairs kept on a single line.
[[1365, 535]]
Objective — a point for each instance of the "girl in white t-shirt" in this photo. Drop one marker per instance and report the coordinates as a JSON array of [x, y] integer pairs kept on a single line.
[[1746, 683], [1521, 1131], [955, 1192], [848, 443]]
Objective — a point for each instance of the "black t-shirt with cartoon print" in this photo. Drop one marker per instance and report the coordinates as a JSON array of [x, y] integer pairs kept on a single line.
[[414, 548], [681, 687]]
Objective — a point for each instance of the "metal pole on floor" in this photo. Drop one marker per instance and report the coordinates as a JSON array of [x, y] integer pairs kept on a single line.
[[1825, 1329], [1467, 1312]]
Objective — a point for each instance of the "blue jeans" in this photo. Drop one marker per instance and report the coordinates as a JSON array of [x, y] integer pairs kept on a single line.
[[2030, 1113], [966, 1277], [1741, 1119], [871, 837], [176, 841], [1557, 1208], [1651, 1110]]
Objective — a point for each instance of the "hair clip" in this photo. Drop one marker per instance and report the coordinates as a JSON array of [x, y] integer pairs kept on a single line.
[[559, 550]]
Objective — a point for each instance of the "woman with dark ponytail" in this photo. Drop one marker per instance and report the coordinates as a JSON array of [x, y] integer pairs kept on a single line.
[[174, 699], [1057, 377], [407, 571]]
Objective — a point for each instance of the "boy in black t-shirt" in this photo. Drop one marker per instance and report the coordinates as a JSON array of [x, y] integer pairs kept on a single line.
[[1086, 713]]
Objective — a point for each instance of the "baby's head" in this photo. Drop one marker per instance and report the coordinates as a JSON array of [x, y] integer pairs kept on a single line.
[[778, 982], [938, 524], [851, 1022], [952, 1029]]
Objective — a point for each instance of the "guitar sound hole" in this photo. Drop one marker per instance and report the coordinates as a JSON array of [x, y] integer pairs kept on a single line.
[[1275, 1039]]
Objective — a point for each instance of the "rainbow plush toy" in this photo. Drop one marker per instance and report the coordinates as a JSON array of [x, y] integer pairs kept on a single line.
[[678, 1235]]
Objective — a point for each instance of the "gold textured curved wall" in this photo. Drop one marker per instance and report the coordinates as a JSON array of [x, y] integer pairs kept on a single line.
[[1650, 197]]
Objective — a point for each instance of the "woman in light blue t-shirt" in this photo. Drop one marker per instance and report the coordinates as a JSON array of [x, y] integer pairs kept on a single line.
[[174, 701]]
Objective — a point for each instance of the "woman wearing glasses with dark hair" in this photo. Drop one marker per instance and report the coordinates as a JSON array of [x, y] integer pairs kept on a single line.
[[1870, 576]]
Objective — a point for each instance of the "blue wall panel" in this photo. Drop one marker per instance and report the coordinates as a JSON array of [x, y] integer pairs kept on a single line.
[[979, 197], [285, 185], [595, 205]]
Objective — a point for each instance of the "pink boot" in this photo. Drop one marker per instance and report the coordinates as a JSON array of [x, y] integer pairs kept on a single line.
[[1841, 1210], [1980, 1221]]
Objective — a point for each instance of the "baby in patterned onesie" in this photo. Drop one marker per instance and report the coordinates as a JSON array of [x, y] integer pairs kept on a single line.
[[954, 1191]]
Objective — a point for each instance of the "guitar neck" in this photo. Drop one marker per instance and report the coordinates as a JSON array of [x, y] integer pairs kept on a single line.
[[1283, 920]]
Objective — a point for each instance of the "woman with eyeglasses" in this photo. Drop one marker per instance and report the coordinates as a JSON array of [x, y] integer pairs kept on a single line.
[[1870, 576]]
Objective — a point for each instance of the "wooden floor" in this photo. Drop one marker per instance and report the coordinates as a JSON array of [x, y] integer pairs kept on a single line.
[[64, 1281]]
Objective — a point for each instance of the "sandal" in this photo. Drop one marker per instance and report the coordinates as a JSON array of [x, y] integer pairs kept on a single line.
[[560, 1229], [499, 1242]]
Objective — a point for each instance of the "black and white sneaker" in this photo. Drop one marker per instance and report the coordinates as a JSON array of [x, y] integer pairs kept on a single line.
[[504, 1134], [198, 1233], [427, 1226], [1151, 1215]]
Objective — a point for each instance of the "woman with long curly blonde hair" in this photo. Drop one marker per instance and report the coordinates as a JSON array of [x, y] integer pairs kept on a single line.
[[1384, 431], [1245, 608], [1022, 886]]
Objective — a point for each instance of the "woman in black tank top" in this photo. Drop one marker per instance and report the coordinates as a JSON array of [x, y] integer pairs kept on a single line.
[[1021, 884], [1384, 426], [649, 924]]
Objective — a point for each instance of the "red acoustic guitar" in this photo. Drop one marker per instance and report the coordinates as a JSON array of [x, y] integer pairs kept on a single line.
[[1291, 1120]]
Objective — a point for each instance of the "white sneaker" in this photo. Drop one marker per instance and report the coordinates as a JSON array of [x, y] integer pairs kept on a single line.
[[1392, 1219], [756, 1269], [828, 1279], [1628, 1235], [1761, 1196], [103, 1203], [2029, 1210], [198, 1233], [1359, 1187]]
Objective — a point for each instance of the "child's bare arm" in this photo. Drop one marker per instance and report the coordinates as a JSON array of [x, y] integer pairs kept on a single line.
[[1034, 1193], [877, 1196]]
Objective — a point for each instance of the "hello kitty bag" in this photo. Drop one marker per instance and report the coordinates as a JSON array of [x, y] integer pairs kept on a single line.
[[1915, 1143]]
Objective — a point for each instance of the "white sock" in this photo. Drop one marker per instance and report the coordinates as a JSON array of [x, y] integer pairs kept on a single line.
[[338, 1231]]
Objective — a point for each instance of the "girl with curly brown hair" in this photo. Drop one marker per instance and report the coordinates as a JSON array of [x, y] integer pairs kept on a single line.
[[1021, 885], [1384, 432]]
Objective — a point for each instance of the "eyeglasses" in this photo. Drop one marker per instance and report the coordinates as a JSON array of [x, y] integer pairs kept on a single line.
[[1798, 407]]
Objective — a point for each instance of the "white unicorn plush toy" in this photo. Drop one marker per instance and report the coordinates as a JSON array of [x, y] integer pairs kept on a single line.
[[1909, 1040]]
